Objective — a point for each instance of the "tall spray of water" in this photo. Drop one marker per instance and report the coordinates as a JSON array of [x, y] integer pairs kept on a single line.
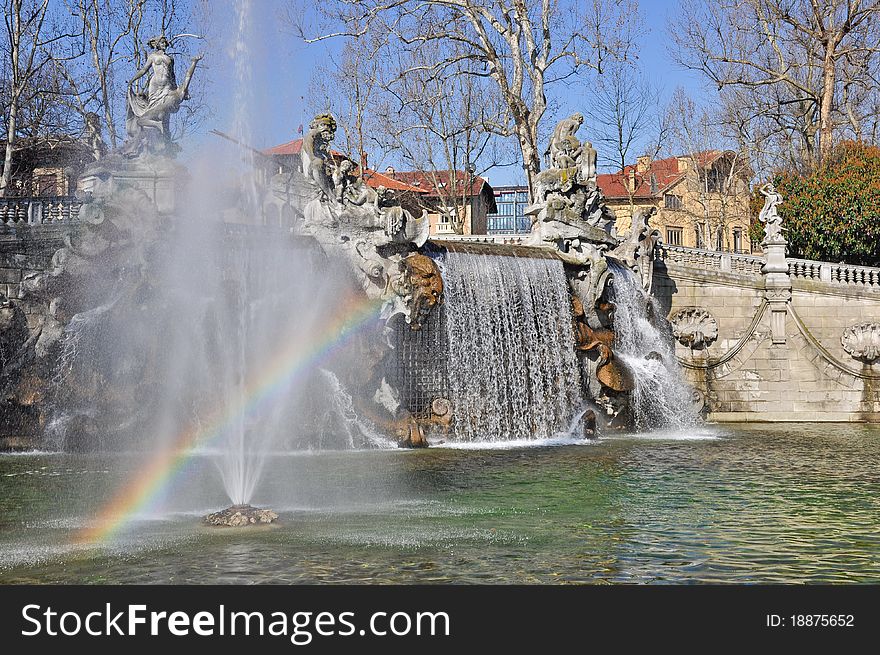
[[512, 369], [661, 398]]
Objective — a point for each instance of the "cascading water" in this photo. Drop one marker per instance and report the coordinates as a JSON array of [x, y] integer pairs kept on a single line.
[[512, 369], [661, 398]]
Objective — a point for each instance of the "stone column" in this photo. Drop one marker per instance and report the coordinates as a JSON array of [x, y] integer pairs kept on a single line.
[[777, 282], [777, 286]]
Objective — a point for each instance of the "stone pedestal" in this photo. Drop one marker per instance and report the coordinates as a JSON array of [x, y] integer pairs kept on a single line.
[[160, 178], [777, 286]]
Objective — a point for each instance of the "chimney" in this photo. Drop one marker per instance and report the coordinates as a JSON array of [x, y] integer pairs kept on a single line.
[[390, 170]]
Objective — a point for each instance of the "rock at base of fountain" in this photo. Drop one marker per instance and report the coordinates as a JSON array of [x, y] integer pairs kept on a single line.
[[239, 516]]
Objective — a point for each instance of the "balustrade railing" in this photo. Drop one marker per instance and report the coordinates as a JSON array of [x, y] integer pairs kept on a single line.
[[858, 276], [39, 211], [846, 274]]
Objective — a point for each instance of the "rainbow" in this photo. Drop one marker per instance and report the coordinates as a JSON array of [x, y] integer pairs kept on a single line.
[[299, 357]]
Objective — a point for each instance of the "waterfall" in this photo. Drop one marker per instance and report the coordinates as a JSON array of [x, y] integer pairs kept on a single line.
[[661, 398], [512, 369]]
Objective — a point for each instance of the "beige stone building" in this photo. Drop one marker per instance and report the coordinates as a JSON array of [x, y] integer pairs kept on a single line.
[[702, 200]]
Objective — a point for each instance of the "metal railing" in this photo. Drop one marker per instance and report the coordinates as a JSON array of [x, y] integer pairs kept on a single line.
[[512, 239], [39, 211]]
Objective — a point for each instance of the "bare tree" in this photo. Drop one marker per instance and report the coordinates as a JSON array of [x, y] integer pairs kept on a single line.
[[716, 178], [804, 66], [111, 49], [524, 46], [441, 122], [625, 119], [347, 86], [26, 49]]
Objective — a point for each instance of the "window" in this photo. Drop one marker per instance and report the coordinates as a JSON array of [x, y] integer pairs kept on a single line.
[[672, 202], [713, 181], [509, 217], [737, 240], [673, 236]]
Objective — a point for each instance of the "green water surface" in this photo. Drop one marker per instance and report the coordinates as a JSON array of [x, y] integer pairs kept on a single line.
[[748, 504]]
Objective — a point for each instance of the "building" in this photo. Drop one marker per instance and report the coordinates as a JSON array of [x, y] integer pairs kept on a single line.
[[456, 204], [510, 217], [702, 200], [46, 166]]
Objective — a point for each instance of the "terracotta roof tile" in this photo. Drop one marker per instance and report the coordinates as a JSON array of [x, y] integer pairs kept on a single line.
[[431, 180], [666, 174], [376, 179]]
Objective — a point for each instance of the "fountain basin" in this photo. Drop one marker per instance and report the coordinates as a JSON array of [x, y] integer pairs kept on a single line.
[[239, 516]]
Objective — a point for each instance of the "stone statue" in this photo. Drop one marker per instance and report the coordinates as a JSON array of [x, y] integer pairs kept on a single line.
[[341, 179], [587, 165], [569, 210], [149, 110], [769, 217], [568, 152], [559, 141], [637, 251], [419, 286], [315, 152]]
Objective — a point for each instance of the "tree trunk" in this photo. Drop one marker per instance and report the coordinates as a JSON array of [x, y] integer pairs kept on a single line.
[[6, 178], [826, 126], [531, 163]]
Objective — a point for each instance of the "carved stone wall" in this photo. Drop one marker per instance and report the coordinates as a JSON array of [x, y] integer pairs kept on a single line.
[[745, 376]]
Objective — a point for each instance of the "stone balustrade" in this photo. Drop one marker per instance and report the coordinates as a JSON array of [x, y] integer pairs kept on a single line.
[[859, 276], [864, 277], [39, 211], [725, 262]]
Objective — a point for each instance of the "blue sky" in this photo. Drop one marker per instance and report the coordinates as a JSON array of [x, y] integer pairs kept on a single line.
[[281, 67]]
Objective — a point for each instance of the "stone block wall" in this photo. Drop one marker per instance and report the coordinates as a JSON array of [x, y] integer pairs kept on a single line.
[[745, 375], [26, 251]]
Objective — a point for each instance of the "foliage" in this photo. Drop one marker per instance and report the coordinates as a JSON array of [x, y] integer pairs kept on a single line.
[[833, 213]]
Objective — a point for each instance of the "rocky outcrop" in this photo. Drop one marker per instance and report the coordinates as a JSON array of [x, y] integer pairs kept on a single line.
[[240, 516]]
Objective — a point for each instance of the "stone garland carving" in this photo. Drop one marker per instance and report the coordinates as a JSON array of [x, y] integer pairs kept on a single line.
[[694, 327], [862, 341]]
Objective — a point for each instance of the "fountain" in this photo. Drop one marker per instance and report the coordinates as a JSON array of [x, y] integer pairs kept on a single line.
[[313, 312]]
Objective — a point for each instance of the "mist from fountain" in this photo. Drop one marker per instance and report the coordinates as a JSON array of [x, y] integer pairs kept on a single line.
[[661, 398], [512, 369], [208, 348]]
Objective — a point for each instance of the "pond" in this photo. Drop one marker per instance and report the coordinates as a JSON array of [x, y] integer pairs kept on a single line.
[[759, 503]]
